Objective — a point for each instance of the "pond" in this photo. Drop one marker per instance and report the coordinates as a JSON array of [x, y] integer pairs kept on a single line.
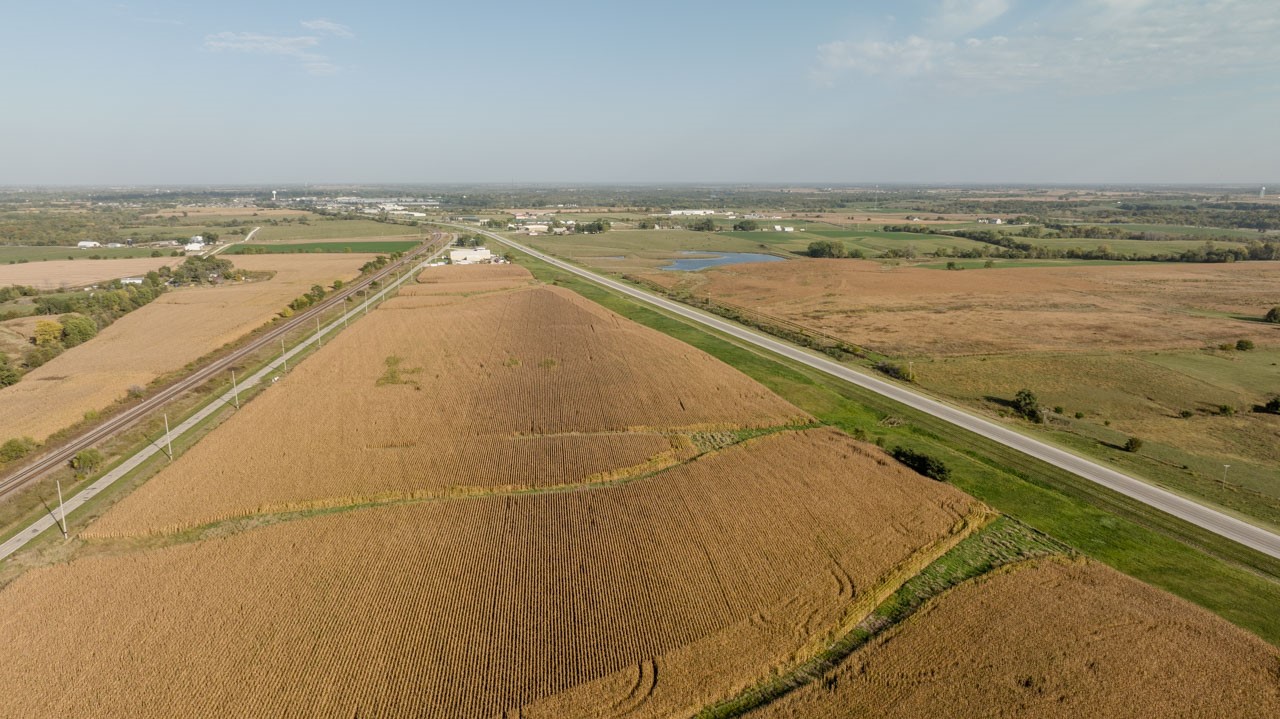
[[720, 258]]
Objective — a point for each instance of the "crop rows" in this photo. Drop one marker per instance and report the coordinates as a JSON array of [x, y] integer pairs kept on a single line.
[[471, 608], [1052, 638], [476, 384]]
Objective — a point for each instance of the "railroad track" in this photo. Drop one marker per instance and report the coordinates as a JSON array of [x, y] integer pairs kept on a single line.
[[62, 454]]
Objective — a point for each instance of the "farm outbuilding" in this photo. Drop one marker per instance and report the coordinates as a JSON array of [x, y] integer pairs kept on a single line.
[[470, 256]]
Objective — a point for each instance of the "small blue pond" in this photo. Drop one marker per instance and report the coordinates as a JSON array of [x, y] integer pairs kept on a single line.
[[720, 258]]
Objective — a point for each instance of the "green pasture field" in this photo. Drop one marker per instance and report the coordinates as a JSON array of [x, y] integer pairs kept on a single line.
[[1188, 230], [875, 242], [386, 246], [661, 245], [327, 228], [1144, 395], [10, 254], [998, 263], [1132, 247]]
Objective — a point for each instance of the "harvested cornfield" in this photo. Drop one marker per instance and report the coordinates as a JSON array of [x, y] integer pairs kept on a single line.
[[467, 279], [177, 328], [478, 607], [1051, 639], [453, 274], [56, 274], [533, 388]]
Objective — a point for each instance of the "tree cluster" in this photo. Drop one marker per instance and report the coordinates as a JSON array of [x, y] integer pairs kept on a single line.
[[828, 248], [204, 270], [594, 227], [1026, 404], [930, 467]]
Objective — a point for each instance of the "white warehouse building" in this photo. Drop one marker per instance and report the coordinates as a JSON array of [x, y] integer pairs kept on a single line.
[[470, 256]]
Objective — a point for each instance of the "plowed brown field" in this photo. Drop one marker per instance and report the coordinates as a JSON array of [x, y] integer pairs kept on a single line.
[[1053, 639], [912, 311], [179, 327], [525, 389], [674, 589], [55, 274]]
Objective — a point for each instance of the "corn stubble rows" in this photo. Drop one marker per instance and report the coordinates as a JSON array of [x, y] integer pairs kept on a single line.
[[1051, 638], [615, 553], [475, 607], [517, 390]]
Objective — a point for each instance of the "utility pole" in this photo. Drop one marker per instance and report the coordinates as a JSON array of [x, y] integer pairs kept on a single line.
[[283, 359], [62, 508], [1225, 467], [168, 439], [318, 343], [235, 389]]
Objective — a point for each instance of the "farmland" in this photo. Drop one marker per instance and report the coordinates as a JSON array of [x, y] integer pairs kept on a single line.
[[491, 384], [1050, 638], [179, 327], [755, 535], [57, 274], [317, 227], [18, 254], [291, 246], [447, 511], [1132, 350]]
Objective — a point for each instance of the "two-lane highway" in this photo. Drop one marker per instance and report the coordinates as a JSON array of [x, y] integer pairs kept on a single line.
[[1250, 535]]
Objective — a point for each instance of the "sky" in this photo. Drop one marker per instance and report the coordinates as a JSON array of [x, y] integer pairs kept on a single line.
[[808, 91]]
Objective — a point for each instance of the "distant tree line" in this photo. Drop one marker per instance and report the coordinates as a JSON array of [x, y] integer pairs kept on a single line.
[[1015, 247]]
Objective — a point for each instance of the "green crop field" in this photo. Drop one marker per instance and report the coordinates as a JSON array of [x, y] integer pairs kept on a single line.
[[372, 246], [1189, 230], [1133, 247], [12, 253], [325, 228], [998, 263]]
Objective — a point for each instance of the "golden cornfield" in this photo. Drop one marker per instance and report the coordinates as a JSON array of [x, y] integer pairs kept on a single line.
[[477, 607], [177, 328], [55, 274], [524, 389], [520, 504], [1052, 638]]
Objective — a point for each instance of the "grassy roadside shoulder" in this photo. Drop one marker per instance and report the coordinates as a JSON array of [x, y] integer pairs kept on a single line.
[[1235, 582]]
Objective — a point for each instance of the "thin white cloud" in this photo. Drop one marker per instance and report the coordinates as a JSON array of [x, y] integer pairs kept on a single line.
[[301, 48], [328, 27], [961, 17], [1101, 46]]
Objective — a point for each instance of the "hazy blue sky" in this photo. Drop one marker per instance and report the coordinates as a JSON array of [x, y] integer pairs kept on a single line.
[[700, 90]]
